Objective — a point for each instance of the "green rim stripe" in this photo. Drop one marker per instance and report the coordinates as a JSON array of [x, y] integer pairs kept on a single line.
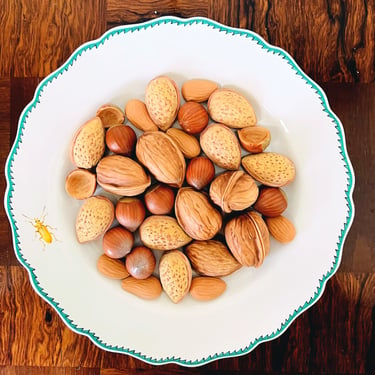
[[228, 30]]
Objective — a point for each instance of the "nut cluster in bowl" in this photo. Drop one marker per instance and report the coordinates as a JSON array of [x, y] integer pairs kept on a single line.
[[196, 185]]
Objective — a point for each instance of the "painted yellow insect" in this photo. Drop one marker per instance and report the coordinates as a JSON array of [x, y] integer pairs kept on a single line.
[[45, 231]]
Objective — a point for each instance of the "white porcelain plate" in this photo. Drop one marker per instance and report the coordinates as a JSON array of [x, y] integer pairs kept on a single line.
[[259, 304]]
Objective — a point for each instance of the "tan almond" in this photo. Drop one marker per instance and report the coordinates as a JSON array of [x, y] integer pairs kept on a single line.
[[187, 143], [254, 139], [211, 258], [221, 146], [148, 289], [198, 90], [111, 268], [137, 114], [80, 183], [281, 228], [231, 108], [247, 237], [162, 232], [162, 99], [271, 201], [205, 288], [270, 168], [192, 117], [110, 114], [122, 175], [233, 191], [94, 217], [160, 154], [175, 275], [196, 215], [88, 144]]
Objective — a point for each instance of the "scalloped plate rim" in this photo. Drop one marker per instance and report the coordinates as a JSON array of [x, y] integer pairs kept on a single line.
[[228, 29]]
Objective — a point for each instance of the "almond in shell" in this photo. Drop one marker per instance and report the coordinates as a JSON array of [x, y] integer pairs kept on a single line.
[[148, 289], [231, 108], [162, 99], [211, 258], [175, 274], [207, 288], [94, 217], [270, 168], [221, 146], [162, 232], [88, 144]]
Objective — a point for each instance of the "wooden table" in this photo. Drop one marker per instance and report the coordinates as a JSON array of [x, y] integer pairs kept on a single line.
[[333, 42]]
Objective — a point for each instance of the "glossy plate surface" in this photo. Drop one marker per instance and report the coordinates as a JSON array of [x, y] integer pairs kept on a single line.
[[259, 304]]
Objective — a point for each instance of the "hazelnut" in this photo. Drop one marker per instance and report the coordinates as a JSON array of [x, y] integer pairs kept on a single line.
[[140, 263], [130, 212]]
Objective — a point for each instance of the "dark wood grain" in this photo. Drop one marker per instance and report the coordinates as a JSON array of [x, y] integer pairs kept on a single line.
[[40, 35], [334, 42], [331, 40]]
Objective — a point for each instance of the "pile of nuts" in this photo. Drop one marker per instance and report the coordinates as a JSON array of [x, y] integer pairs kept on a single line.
[[196, 185]]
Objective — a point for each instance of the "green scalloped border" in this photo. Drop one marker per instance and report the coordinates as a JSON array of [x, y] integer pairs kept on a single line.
[[229, 30]]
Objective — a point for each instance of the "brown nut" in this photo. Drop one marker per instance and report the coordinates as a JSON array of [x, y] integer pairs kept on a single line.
[[141, 262], [211, 258], [122, 175], [281, 228], [137, 114], [121, 139], [198, 90], [162, 232], [162, 99], [159, 199], [200, 172], [94, 218], [148, 289], [117, 242], [175, 274], [192, 117], [234, 190], [205, 288], [221, 146], [130, 212], [187, 143], [196, 215], [110, 114], [111, 268], [254, 139], [80, 183], [271, 201], [248, 238], [162, 157]]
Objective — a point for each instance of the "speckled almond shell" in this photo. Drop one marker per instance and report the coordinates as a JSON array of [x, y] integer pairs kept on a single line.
[[270, 168], [231, 108], [221, 146], [175, 274], [162, 232], [88, 144], [94, 217], [162, 99]]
